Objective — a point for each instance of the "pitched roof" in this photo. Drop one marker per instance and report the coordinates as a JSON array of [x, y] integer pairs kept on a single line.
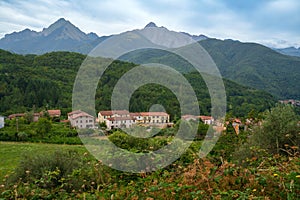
[[16, 115], [74, 112], [119, 118], [136, 114], [112, 112], [78, 113], [54, 112], [187, 117], [154, 114], [202, 117], [83, 114]]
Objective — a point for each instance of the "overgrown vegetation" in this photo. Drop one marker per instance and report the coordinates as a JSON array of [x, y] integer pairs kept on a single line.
[[237, 168], [44, 130]]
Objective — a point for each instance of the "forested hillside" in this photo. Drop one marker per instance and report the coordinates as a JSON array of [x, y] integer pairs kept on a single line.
[[256, 66], [46, 81]]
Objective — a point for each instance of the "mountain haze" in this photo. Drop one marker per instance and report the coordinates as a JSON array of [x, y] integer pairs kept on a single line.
[[59, 36], [249, 64], [290, 51]]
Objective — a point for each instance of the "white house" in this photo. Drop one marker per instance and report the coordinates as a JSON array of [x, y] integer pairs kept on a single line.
[[122, 118], [119, 122], [81, 120], [2, 123], [207, 119]]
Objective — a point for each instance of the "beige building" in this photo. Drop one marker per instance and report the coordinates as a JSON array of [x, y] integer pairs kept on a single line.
[[155, 117], [81, 120], [103, 115], [137, 118]]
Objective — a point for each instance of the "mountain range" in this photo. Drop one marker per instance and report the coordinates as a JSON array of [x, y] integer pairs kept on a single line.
[[59, 36], [249, 64], [290, 51], [62, 35]]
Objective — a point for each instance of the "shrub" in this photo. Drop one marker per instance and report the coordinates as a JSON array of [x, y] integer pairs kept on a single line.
[[47, 170]]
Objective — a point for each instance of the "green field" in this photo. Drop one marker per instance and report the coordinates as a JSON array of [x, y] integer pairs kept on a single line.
[[11, 153]]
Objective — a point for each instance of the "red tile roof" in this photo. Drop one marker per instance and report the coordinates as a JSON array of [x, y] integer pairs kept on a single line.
[[136, 114], [111, 112], [16, 115], [202, 117], [154, 114], [186, 117], [83, 114], [54, 113], [119, 118], [237, 120], [78, 113], [74, 112]]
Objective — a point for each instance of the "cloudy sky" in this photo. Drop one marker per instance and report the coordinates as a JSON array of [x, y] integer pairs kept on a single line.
[[271, 22]]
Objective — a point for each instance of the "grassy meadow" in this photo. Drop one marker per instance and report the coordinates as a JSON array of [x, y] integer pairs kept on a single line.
[[12, 152]]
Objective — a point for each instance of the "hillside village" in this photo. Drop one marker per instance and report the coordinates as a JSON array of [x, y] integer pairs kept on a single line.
[[111, 119], [116, 119]]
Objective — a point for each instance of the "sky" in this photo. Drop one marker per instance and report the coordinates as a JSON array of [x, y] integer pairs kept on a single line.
[[274, 23]]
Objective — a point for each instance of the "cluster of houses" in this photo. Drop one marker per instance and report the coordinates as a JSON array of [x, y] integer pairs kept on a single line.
[[118, 119], [112, 119], [125, 119], [36, 116], [291, 102]]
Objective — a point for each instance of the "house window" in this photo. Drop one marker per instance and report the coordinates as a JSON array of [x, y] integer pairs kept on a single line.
[[80, 121], [90, 120], [86, 121]]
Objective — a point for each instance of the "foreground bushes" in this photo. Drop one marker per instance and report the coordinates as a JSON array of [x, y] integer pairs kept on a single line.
[[68, 174], [42, 131]]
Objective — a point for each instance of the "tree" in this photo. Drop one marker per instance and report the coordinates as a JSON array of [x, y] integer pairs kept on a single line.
[[43, 126], [279, 129]]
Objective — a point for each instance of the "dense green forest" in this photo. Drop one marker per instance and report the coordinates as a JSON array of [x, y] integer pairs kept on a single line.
[[249, 64], [256, 66], [46, 81]]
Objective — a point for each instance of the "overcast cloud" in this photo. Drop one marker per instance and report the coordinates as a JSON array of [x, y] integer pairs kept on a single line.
[[271, 22]]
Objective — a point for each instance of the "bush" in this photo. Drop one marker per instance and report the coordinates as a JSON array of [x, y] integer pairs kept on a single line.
[[135, 144], [47, 170]]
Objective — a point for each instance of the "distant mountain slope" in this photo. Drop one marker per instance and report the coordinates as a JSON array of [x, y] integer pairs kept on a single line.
[[33, 81], [59, 36], [64, 36], [256, 66], [290, 51]]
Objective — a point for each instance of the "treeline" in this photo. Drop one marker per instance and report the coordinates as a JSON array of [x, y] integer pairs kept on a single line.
[[46, 81]]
